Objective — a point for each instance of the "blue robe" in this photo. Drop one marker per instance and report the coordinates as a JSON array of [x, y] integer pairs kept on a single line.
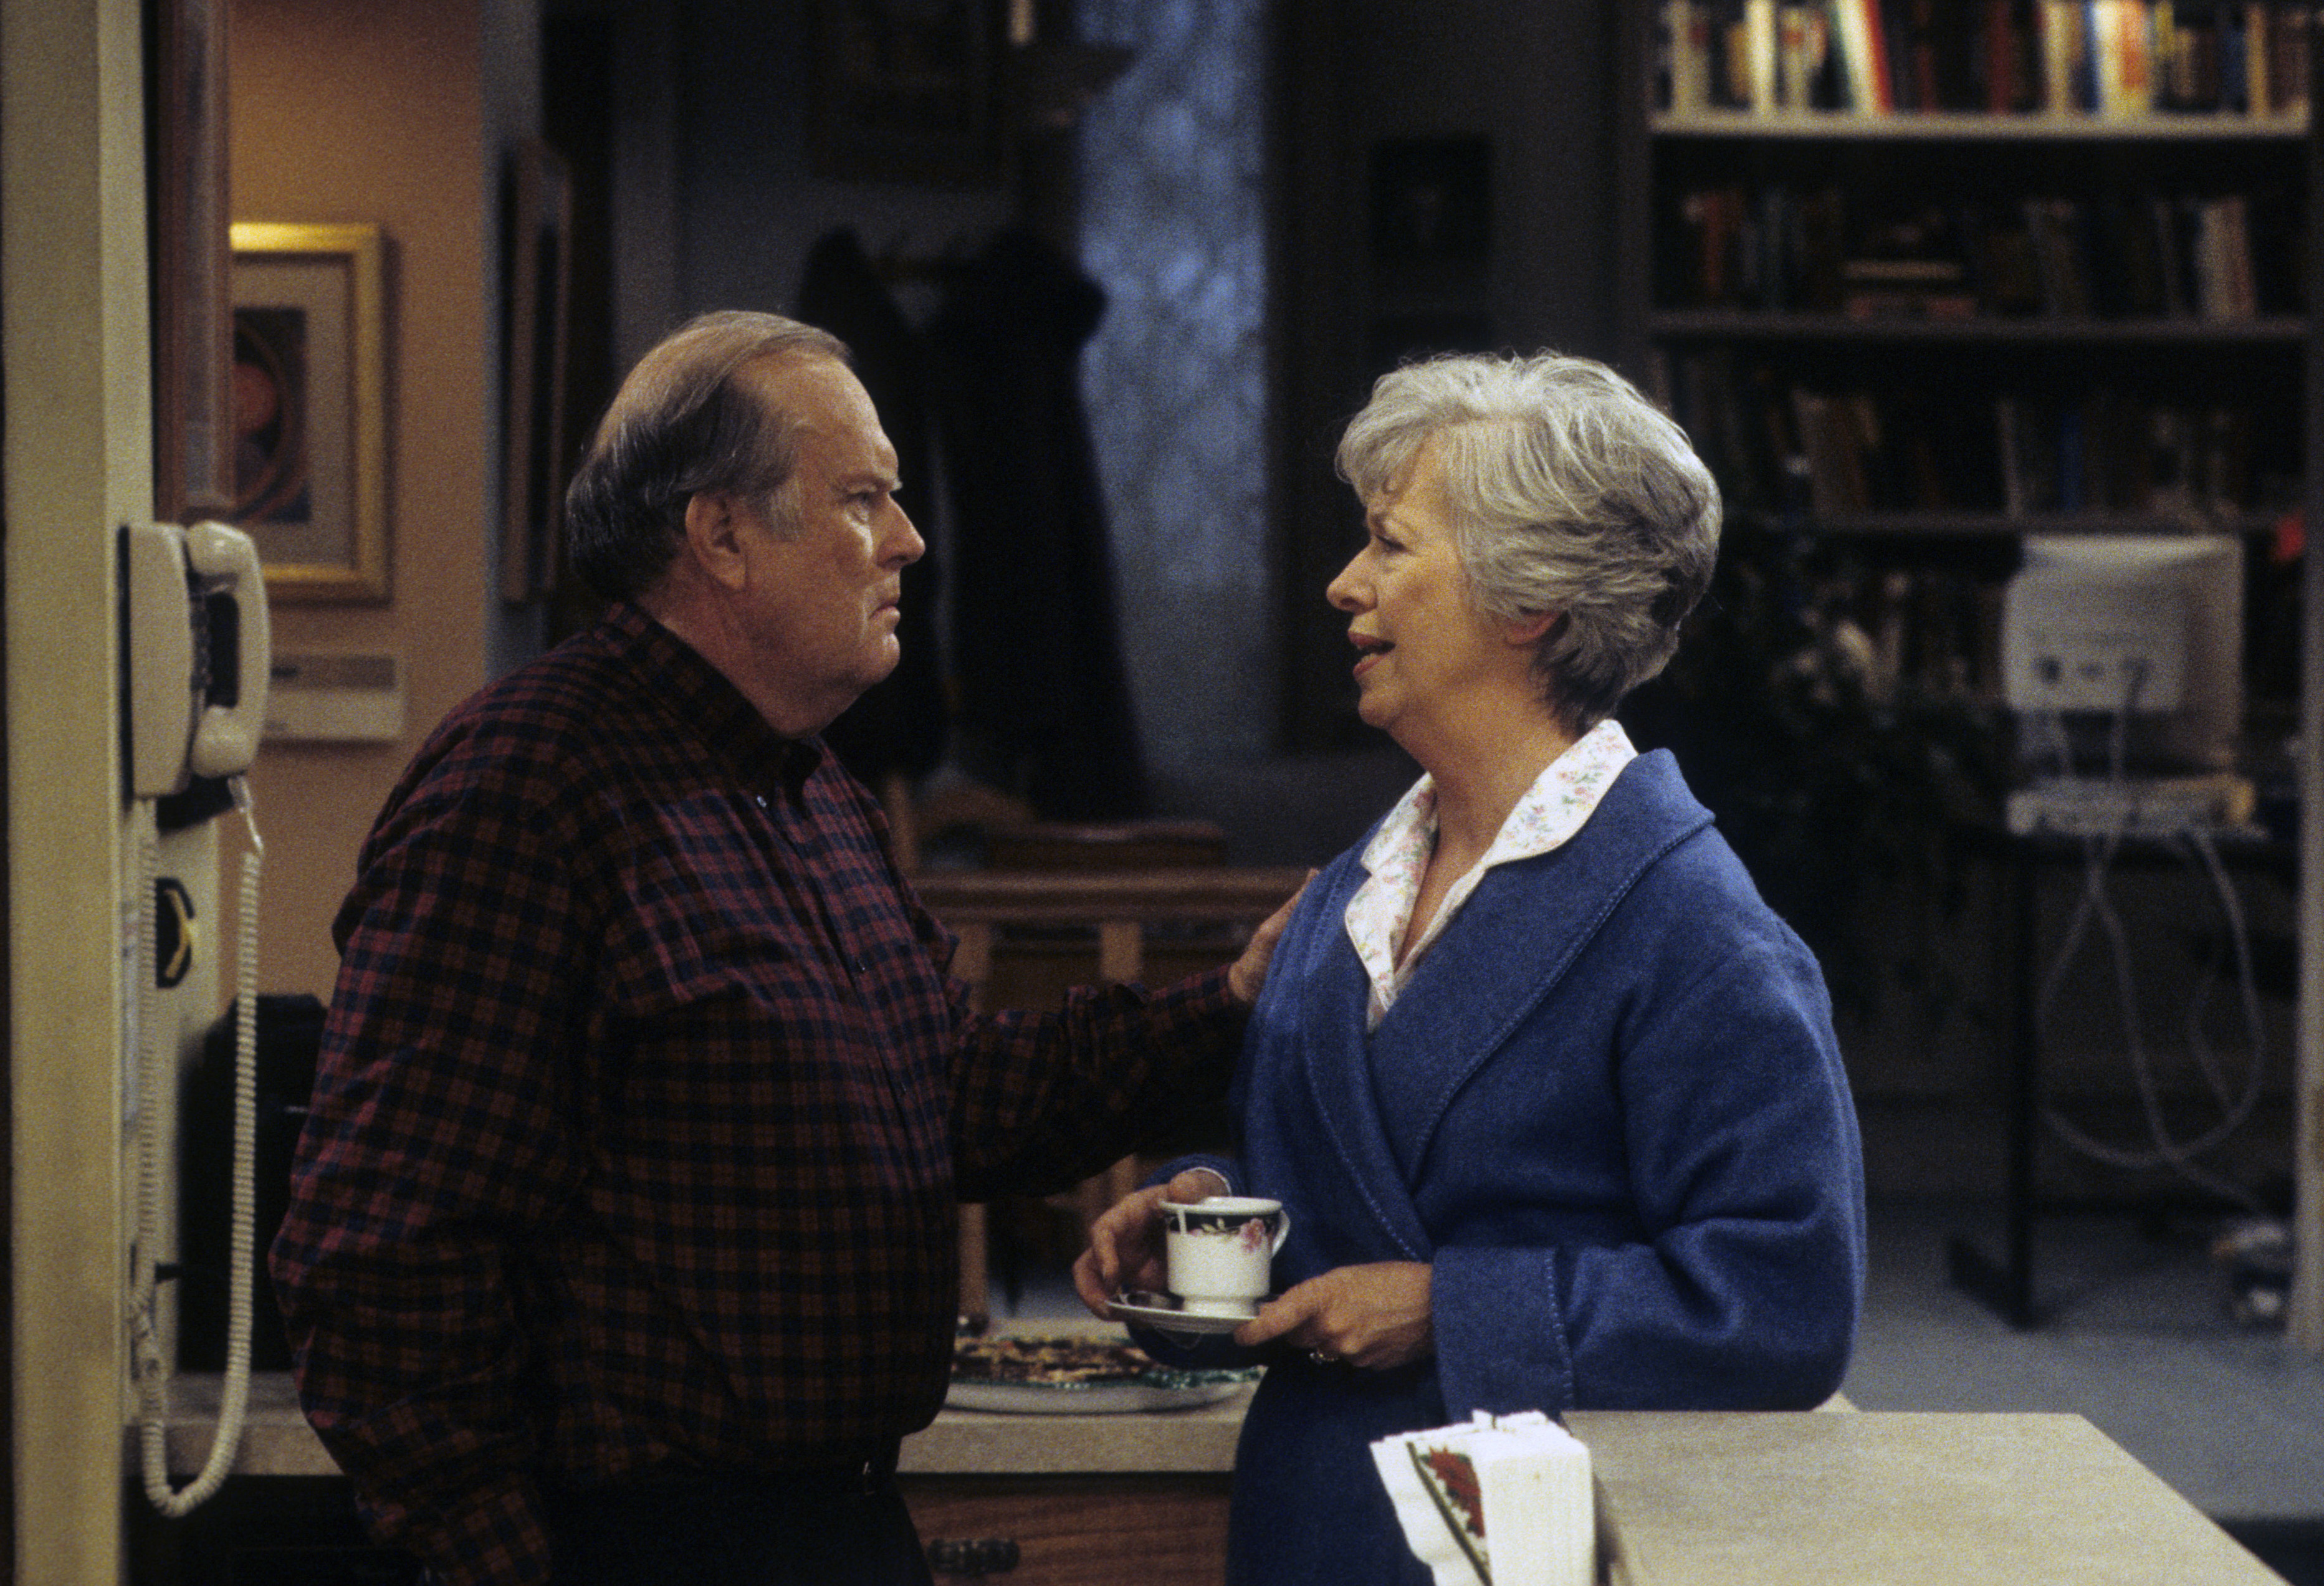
[[1608, 1110]]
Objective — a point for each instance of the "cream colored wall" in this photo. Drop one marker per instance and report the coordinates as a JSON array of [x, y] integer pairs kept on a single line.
[[378, 112], [78, 460]]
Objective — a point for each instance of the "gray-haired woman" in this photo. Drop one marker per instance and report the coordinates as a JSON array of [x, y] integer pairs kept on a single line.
[[1552, 1096]]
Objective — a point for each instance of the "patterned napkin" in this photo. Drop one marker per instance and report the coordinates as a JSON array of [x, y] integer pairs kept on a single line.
[[1495, 1501]]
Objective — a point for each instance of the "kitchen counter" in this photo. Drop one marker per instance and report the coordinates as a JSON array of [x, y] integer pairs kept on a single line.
[[1760, 1500], [276, 1439], [1073, 1500], [278, 1442], [1684, 1499]]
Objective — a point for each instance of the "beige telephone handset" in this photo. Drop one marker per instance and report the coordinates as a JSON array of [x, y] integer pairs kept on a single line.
[[195, 659], [197, 653]]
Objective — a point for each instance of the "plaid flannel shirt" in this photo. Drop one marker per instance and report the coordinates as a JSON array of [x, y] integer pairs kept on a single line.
[[646, 1104]]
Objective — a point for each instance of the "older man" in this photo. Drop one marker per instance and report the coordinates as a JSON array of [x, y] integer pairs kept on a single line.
[[621, 1241]]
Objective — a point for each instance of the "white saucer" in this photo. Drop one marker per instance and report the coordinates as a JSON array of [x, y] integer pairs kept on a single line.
[[1165, 1313]]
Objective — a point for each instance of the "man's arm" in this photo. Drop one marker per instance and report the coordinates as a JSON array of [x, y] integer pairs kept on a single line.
[[434, 1138], [1042, 1100]]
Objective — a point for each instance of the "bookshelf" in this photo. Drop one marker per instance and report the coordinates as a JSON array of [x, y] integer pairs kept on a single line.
[[2013, 295], [2045, 267], [1938, 125], [2047, 324], [2113, 59]]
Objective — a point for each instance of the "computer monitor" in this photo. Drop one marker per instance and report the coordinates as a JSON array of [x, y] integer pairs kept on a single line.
[[2135, 640]]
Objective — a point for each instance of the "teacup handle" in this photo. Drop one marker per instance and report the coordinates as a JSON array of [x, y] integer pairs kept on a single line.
[[1281, 1233]]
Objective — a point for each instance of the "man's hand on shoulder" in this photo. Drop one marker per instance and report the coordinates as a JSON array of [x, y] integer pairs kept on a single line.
[[1248, 973]]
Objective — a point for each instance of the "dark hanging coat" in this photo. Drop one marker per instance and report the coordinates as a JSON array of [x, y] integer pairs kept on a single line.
[[1033, 640]]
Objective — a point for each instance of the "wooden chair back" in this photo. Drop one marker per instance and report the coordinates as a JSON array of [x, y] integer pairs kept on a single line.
[[1122, 908]]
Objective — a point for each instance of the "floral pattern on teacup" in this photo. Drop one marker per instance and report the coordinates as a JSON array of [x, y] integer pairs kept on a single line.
[[1252, 1231]]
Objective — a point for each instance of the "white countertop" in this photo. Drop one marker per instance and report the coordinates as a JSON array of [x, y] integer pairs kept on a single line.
[[1704, 1498]]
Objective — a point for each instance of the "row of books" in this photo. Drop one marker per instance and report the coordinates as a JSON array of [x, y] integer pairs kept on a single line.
[[1788, 450], [2111, 58], [2215, 256]]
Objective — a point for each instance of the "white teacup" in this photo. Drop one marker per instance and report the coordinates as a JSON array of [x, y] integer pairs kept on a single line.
[[1219, 1250]]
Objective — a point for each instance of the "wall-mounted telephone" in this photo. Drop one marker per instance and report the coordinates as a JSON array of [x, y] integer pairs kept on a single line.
[[195, 653], [194, 662]]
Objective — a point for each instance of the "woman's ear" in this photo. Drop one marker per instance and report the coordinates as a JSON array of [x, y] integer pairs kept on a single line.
[[1528, 631], [713, 538]]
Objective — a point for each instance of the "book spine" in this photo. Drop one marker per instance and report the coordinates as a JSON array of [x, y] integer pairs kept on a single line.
[[1926, 51], [1730, 85], [2207, 47], [2259, 97], [1866, 58], [2211, 263], [2010, 442], [2121, 34], [1848, 44], [2002, 55], [1995, 52], [2232, 66], [2086, 64], [2179, 50], [1795, 71], [2172, 261], [2107, 56], [2061, 55], [2290, 44], [1686, 32], [1759, 48], [1883, 57], [2242, 275], [1898, 40]]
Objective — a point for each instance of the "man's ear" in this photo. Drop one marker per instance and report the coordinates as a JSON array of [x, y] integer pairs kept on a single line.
[[713, 538]]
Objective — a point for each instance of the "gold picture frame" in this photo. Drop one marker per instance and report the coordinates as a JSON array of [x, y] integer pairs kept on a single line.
[[310, 462]]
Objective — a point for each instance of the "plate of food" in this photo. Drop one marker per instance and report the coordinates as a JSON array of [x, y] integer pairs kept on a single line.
[[1085, 1375]]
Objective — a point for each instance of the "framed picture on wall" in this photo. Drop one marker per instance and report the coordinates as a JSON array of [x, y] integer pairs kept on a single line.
[[908, 90], [309, 411]]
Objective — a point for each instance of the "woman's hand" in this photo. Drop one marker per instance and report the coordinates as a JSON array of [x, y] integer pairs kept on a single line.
[[1125, 1250], [1375, 1316]]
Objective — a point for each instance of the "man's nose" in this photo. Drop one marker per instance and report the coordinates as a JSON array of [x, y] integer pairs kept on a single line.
[[904, 544]]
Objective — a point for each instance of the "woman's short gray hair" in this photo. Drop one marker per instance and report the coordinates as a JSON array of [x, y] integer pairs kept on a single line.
[[683, 422], [1571, 492]]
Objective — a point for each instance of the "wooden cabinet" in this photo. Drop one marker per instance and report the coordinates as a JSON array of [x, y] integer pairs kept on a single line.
[[1076, 1501], [1156, 1530]]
